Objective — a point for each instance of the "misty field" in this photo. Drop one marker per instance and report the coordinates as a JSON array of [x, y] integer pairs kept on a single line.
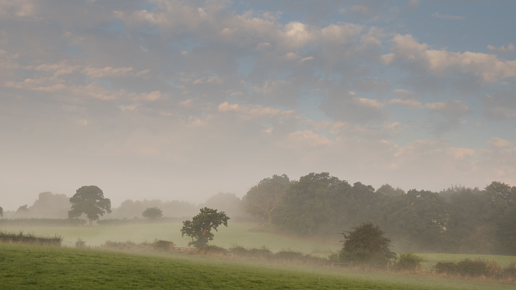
[[23, 266], [236, 234]]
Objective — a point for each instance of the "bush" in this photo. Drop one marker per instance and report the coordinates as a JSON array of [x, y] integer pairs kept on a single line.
[[238, 250], [472, 268], [407, 262], [263, 252], [289, 255], [152, 213], [22, 238], [162, 245], [509, 272], [80, 243], [366, 244], [446, 268]]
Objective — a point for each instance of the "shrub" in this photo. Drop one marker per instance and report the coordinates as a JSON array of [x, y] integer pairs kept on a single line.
[[22, 238], [162, 245], [80, 243], [238, 250], [289, 255], [262, 252], [446, 268], [473, 268], [407, 262], [366, 244], [468, 267], [152, 213], [509, 271]]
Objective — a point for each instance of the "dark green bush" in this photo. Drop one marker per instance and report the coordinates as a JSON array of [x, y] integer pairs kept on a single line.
[[366, 245], [446, 268], [289, 255], [238, 250], [473, 268], [162, 245], [468, 267], [407, 262], [260, 253]]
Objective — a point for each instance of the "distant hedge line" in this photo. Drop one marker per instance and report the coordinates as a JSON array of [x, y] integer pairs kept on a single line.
[[42, 222], [21, 238]]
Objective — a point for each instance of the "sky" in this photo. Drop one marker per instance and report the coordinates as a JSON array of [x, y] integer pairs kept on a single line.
[[184, 99]]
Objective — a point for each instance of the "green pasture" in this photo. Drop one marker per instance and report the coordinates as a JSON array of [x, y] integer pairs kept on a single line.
[[36, 267], [234, 234]]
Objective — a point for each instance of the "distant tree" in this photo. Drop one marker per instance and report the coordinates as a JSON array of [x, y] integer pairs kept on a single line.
[[89, 200], [417, 219], [152, 213], [199, 228], [366, 244], [388, 190], [314, 204], [22, 211], [1, 211], [49, 205], [265, 197], [227, 202]]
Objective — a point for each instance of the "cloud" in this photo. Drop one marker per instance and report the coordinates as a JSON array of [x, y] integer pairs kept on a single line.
[[255, 112], [419, 58], [499, 142], [502, 49], [414, 105], [451, 112], [348, 107], [446, 16], [500, 107]]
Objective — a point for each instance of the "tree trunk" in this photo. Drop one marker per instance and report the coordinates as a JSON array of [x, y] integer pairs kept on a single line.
[[269, 218], [90, 222]]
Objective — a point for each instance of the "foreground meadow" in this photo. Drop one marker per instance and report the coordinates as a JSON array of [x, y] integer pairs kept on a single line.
[[36, 267]]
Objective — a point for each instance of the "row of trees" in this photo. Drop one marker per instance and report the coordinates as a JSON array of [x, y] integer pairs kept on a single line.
[[458, 219], [56, 206]]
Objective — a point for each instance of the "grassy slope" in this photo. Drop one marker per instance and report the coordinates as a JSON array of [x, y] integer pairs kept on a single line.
[[45, 267]]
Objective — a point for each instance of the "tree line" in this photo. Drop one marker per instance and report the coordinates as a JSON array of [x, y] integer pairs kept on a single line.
[[458, 219]]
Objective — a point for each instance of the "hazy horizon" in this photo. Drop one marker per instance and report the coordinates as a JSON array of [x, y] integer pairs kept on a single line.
[[176, 100]]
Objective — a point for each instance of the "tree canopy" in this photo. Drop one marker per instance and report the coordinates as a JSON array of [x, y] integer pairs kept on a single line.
[[152, 213], [1, 211], [265, 197], [89, 200], [199, 228]]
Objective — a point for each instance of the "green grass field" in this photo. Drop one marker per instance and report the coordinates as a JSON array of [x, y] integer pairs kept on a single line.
[[35, 267]]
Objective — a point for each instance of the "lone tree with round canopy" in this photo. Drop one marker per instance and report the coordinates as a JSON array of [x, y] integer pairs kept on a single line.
[[152, 213], [199, 228], [89, 200]]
